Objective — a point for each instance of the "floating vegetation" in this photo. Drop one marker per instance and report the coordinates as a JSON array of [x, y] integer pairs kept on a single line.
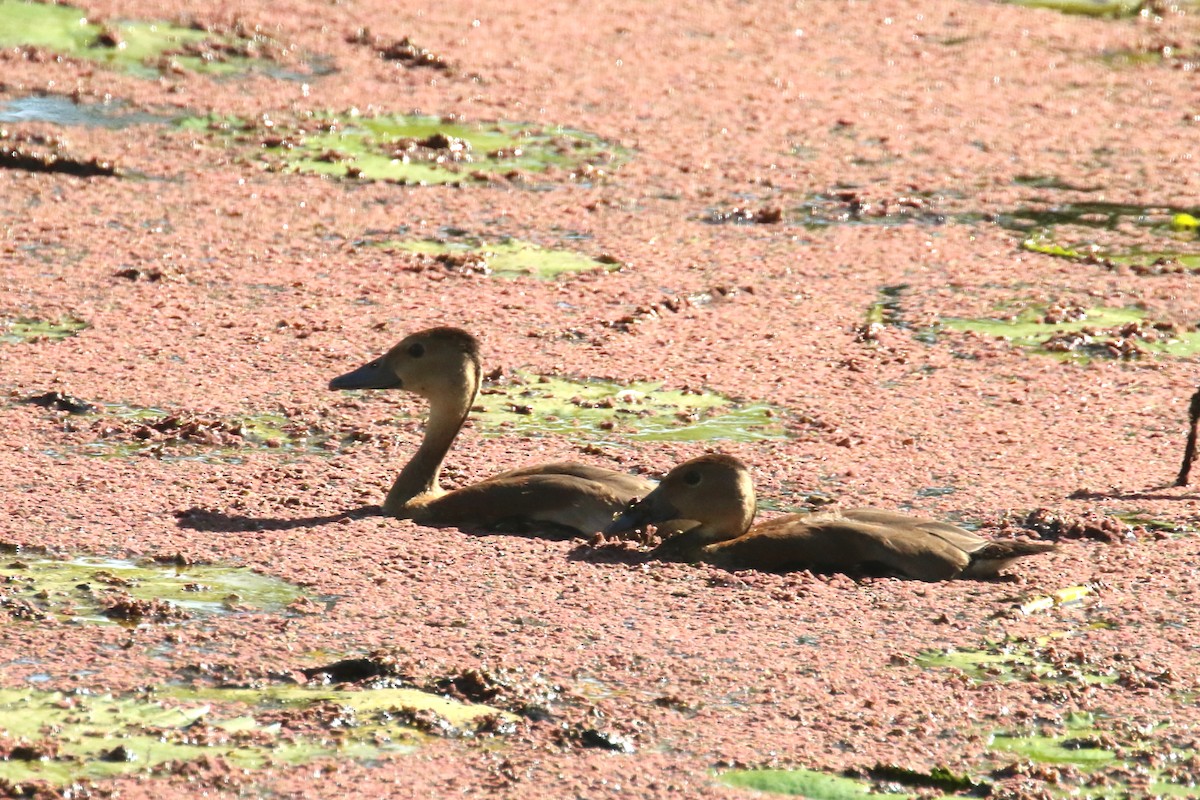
[[1079, 334], [122, 430], [509, 258], [802, 783], [25, 329], [740, 215], [1109, 760], [416, 149], [103, 590], [1042, 659], [675, 303], [1092, 214], [1087, 8], [404, 51], [1113, 760], [1138, 259], [61, 738], [61, 110], [144, 47], [1142, 520], [1111, 234], [884, 312], [855, 208], [882, 780], [1052, 182], [532, 404]]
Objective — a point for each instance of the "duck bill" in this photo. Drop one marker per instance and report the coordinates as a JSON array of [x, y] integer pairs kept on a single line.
[[651, 509], [369, 376]]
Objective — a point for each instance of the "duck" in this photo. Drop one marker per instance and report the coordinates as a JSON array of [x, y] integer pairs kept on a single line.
[[442, 365], [704, 510]]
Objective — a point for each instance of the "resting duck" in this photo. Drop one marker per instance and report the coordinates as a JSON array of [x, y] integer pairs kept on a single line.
[[442, 365], [704, 508]]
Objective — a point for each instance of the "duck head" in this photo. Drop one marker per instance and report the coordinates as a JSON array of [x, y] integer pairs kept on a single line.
[[711, 498], [431, 363]]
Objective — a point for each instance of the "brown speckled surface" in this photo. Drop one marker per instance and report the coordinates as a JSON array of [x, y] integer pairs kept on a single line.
[[268, 298]]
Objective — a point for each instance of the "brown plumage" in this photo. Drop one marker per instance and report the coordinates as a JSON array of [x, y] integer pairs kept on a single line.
[[442, 365], [705, 507]]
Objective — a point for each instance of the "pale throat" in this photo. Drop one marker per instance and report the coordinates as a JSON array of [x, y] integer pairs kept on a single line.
[[419, 480]]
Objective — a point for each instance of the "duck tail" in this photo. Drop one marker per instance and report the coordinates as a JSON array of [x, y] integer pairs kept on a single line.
[[989, 560]]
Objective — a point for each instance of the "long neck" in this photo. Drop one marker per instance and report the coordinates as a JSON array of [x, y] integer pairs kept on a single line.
[[420, 475]]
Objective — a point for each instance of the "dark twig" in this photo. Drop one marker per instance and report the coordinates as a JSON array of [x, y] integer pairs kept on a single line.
[[1189, 452]]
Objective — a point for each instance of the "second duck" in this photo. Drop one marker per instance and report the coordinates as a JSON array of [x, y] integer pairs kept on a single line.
[[704, 508]]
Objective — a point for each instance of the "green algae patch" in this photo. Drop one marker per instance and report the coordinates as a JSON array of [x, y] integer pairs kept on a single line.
[[146, 48], [1087, 8], [1011, 660], [1075, 333], [102, 591], [1081, 744], [362, 701], [415, 149], [801, 783], [60, 737], [530, 404], [1143, 520], [509, 258], [24, 329], [1138, 259], [1113, 760]]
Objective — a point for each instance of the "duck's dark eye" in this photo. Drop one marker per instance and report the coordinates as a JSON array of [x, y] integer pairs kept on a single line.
[[416, 349], [692, 478]]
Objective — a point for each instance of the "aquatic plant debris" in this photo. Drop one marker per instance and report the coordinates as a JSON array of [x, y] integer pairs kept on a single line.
[[531, 404], [1077, 333], [97, 590], [23, 329], [122, 430], [415, 149], [510, 258], [79, 735], [146, 48]]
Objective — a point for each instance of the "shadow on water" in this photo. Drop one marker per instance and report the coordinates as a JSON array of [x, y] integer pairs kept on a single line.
[[204, 519]]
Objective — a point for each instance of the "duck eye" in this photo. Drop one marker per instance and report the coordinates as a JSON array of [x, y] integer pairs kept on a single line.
[[692, 478], [416, 350]]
